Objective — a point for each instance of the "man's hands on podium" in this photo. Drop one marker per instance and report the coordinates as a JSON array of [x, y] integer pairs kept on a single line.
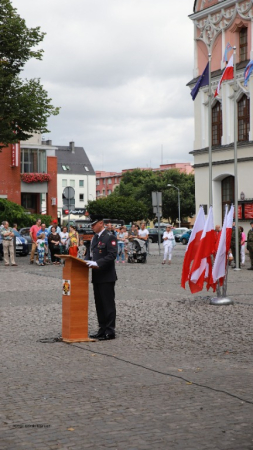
[[91, 263]]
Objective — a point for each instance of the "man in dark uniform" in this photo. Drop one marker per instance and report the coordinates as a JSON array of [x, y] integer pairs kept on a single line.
[[250, 245], [101, 258]]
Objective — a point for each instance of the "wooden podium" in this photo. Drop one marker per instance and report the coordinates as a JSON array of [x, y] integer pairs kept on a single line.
[[75, 300]]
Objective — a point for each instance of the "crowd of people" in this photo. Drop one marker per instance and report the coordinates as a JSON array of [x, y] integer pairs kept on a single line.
[[52, 242], [49, 243]]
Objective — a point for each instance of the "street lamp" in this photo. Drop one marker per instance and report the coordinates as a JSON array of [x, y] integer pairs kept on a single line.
[[178, 192]]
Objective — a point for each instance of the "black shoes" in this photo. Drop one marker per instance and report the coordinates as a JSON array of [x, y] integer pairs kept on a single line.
[[106, 337], [250, 268], [102, 336], [98, 334]]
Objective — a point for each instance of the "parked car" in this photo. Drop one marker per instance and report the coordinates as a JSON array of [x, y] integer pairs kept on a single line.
[[25, 233], [185, 237], [22, 248], [21, 245], [153, 235], [178, 232]]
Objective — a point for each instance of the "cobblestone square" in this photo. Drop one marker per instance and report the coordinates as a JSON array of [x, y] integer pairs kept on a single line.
[[177, 377]]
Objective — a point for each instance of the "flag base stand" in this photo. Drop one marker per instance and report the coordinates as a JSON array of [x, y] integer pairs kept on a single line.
[[221, 301]]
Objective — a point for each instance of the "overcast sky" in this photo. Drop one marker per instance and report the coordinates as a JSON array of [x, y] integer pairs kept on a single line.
[[118, 69]]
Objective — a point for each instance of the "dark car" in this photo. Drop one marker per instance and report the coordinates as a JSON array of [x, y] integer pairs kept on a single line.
[[153, 235], [178, 232], [21, 245], [185, 237]]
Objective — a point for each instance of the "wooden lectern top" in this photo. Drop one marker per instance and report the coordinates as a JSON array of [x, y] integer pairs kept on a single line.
[[73, 258]]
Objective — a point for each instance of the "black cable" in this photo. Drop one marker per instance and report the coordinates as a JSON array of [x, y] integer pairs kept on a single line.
[[163, 373]]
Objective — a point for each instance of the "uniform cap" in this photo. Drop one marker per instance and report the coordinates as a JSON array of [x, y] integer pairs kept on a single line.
[[55, 221], [96, 218]]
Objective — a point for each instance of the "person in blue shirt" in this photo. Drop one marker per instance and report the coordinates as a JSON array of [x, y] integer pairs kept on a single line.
[[46, 233]]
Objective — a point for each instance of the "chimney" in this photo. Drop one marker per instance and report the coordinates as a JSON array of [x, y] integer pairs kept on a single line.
[[49, 142], [72, 147]]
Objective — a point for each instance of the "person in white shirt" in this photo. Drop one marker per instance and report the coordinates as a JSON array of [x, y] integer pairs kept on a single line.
[[143, 234], [64, 241], [168, 244]]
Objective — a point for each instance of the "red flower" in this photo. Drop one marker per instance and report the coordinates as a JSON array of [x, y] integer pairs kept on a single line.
[[35, 177]]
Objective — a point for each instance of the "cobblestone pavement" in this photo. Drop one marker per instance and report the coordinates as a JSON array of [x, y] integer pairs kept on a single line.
[[178, 376]]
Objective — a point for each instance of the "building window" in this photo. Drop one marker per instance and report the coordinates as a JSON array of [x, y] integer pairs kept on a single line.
[[86, 168], [115, 180], [103, 180], [97, 182], [64, 183], [81, 197], [97, 193], [109, 191], [109, 181], [65, 167], [243, 43], [81, 183], [33, 160], [72, 183], [103, 192], [243, 119], [227, 193], [217, 124]]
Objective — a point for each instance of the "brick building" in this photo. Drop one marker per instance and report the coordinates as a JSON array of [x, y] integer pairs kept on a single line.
[[19, 163], [106, 182]]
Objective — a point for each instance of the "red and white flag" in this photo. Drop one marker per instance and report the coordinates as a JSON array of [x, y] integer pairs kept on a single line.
[[201, 267], [192, 245], [220, 263], [228, 74]]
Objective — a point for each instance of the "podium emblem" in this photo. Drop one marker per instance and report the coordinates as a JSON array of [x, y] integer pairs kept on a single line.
[[65, 287]]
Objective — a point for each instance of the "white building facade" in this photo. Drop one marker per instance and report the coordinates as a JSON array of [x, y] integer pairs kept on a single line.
[[75, 170], [217, 23]]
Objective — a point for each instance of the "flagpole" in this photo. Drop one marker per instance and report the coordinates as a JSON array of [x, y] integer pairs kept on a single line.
[[223, 300], [237, 256], [210, 132]]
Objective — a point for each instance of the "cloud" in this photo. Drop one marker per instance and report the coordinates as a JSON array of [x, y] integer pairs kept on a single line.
[[118, 69]]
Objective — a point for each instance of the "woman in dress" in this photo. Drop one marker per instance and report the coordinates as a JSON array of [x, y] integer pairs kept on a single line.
[[168, 244], [73, 241], [54, 241], [243, 246]]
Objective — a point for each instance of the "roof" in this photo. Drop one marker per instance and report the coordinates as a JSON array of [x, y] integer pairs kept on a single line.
[[75, 163], [203, 5]]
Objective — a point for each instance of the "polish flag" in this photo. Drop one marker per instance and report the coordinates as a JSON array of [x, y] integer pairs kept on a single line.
[[220, 263], [202, 265], [229, 227], [228, 74], [192, 245]]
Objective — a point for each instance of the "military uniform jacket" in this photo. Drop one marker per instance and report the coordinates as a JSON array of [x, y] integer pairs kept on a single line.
[[250, 240], [103, 250]]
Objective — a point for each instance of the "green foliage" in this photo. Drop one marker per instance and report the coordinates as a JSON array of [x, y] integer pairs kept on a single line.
[[14, 213], [116, 207], [139, 185], [24, 104]]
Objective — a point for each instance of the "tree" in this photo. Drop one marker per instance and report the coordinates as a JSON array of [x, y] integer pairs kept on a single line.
[[24, 104], [116, 207], [139, 185], [14, 213]]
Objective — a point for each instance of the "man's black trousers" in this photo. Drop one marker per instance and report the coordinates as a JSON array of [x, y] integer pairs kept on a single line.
[[104, 294]]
